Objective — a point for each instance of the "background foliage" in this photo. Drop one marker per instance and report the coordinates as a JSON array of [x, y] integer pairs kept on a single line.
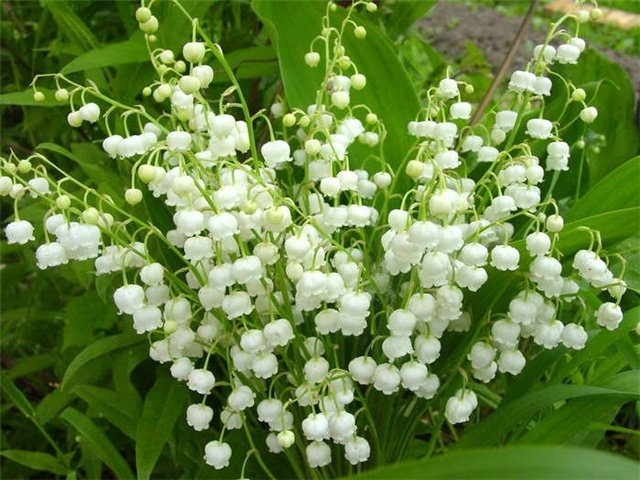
[[81, 399]]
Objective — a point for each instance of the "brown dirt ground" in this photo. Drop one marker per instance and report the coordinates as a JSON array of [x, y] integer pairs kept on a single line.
[[448, 26]]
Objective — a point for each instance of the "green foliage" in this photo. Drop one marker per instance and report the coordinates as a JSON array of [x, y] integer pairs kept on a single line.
[[80, 400], [524, 462]]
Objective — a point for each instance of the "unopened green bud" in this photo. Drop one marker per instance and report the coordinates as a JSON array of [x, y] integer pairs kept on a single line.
[[63, 202], [143, 14]]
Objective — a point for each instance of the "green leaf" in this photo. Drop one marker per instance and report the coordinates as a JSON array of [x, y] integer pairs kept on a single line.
[[83, 314], [49, 407], [25, 98], [614, 97], [404, 14], [163, 406], [572, 421], [249, 62], [32, 364], [95, 164], [389, 91], [42, 462], [130, 51], [98, 349], [521, 462], [520, 411], [98, 442], [614, 226], [71, 25], [16, 396], [116, 409], [599, 198]]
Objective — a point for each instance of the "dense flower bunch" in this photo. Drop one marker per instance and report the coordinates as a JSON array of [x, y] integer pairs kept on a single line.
[[292, 249]]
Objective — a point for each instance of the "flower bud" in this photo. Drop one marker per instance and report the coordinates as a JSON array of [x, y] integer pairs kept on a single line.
[[360, 32], [289, 120], [589, 114], [143, 14], [189, 84], [62, 95], [312, 59], [286, 438], [193, 51], [38, 96], [74, 119], [554, 223], [358, 81], [578, 95], [150, 26], [133, 196]]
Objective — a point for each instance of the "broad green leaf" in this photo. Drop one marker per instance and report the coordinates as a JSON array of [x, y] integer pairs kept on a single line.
[[130, 51], [571, 422], [403, 14], [521, 462], [600, 198], [389, 92], [71, 25], [614, 226], [42, 462], [598, 345], [112, 407], [93, 163], [122, 367], [95, 439], [50, 406], [520, 411], [249, 62], [98, 349], [25, 98], [28, 365], [16, 396], [83, 314], [608, 89], [164, 404]]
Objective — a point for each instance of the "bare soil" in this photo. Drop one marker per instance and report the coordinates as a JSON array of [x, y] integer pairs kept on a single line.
[[448, 27]]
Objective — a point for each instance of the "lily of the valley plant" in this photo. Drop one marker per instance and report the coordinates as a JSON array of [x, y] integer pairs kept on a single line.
[[311, 290]]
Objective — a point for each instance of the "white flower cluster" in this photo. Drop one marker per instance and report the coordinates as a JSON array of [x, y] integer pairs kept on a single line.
[[294, 251]]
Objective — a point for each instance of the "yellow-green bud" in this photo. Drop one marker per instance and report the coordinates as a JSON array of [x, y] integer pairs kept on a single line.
[[360, 32], [304, 121], [38, 96], [371, 118], [170, 326], [91, 215], [414, 169], [143, 14], [578, 95], [180, 66], [24, 166], [312, 59], [62, 95], [150, 26], [596, 14], [289, 120], [133, 196], [358, 81], [286, 438], [63, 202], [372, 7], [193, 51], [146, 91], [344, 62], [146, 173]]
